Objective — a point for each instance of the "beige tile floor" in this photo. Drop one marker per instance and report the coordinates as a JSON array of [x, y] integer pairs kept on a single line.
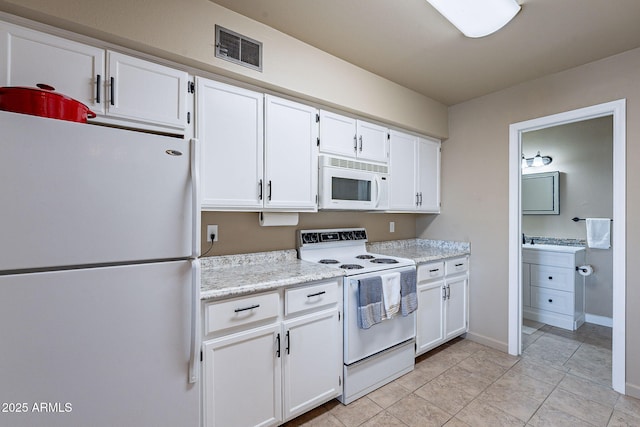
[[563, 378]]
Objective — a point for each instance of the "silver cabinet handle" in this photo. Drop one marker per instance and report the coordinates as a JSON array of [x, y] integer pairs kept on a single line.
[[361, 143], [448, 292], [444, 292], [355, 143]]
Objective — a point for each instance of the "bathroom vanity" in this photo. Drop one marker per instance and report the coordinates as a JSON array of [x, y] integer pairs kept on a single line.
[[552, 289]]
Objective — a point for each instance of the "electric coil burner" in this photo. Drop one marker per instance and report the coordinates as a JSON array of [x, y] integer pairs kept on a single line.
[[372, 357]]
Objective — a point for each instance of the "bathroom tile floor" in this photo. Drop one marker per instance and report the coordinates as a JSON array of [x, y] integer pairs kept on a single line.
[[563, 378]]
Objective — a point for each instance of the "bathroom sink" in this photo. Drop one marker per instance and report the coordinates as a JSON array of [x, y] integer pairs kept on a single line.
[[552, 248]]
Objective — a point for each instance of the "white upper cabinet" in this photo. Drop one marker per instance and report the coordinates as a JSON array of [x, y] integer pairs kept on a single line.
[[30, 57], [230, 129], [126, 88], [428, 179], [415, 173], [290, 155], [373, 141], [147, 92], [255, 164], [349, 137], [402, 167]]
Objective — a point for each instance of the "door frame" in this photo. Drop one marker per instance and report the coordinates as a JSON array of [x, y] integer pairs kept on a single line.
[[616, 109]]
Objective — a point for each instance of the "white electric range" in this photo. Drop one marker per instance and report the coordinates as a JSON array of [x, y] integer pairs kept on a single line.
[[375, 356]]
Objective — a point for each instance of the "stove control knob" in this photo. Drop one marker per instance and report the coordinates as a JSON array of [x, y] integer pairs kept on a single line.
[[310, 238]]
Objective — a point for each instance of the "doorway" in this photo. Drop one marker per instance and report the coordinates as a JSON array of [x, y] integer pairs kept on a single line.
[[617, 110]]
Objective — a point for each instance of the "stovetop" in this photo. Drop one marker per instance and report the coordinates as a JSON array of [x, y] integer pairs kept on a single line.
[[346, 249]]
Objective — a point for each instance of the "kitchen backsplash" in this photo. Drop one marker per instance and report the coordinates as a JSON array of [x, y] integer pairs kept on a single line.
[[240, 233], [555, 241]]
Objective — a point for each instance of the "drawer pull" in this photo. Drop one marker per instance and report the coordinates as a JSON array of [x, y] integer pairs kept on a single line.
[[251, 307], [434, 270], [288, 343], [459, 265], [550, 300], [550, 277], [316, 294]]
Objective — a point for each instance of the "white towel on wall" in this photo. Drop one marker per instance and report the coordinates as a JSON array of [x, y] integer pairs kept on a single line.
[[599, 233], [391, 294]]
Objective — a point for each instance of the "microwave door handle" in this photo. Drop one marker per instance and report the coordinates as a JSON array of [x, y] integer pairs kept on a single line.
[[378, 190]]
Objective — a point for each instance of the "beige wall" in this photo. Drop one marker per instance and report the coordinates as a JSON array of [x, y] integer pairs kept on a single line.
[[475, 184], [583, 153], [183, 31], [239, 232]]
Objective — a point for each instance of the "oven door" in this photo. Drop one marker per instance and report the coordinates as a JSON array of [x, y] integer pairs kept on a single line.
[[360, 343], [351, 189]]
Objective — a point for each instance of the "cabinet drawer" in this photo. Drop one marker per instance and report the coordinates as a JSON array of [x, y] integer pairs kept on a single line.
[[458, 265], [310, 297], [241, 311], [552, 300], [430, 271], [557, 259], [558, 278]]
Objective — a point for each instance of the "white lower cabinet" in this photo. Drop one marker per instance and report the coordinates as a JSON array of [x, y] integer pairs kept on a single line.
[[242, 379], [442, 302], [269, 360]]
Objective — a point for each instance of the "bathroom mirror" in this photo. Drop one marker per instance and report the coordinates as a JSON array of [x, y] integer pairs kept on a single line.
[[541, 193]]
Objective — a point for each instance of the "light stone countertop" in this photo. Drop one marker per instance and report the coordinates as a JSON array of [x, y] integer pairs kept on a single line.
[[421, 250], [236, 275]]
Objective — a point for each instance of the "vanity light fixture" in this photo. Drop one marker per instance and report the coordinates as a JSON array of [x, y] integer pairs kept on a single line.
[[477, 18], [536, 161]]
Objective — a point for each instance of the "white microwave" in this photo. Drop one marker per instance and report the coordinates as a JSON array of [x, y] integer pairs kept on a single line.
[[352, 185]]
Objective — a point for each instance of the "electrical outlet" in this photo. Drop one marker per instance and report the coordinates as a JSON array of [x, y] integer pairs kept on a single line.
[[392, 227], [212, 229]]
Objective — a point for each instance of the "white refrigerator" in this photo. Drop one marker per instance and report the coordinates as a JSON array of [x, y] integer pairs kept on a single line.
[[99, 277]]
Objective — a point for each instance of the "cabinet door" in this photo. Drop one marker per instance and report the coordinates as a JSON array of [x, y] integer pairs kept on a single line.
[[372, 141], [337, 134], [230, 131], [291, 155], [242, 383], [456, 306], [147, 92], [430, 316], [402, 192], [29, 57], [312, 350], [428, 155]]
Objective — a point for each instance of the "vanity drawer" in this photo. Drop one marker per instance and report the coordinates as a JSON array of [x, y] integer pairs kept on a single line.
[[457, 265], [241, 311], [310, 297], [557, 259], [552, 300], [430, 271], [553, 277]]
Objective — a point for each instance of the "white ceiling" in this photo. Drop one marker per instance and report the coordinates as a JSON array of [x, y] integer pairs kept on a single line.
[[408, 42]]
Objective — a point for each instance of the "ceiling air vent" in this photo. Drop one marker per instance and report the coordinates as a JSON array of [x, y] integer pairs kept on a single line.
[[239, 49]]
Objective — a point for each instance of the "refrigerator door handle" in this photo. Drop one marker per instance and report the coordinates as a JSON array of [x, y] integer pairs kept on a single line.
[[195, 314], [195, 197]]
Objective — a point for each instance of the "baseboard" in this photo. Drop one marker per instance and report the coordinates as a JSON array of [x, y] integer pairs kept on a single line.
[[598, 320], [489, 342], [632, 390]]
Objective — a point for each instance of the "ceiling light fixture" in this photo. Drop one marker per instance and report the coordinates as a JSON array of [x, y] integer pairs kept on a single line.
[[477, 18], [536, 161]]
